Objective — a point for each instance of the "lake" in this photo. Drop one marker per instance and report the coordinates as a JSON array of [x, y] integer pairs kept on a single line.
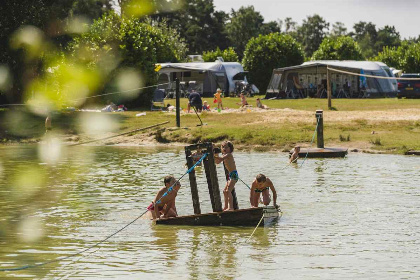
[[351, 218]]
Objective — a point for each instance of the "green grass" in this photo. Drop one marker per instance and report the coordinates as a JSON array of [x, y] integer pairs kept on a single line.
[[247, 129]]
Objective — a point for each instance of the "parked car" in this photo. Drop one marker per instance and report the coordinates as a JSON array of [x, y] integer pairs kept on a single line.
[[409, 88]]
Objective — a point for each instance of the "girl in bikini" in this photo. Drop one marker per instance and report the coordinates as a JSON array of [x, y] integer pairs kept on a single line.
[[261, 185]]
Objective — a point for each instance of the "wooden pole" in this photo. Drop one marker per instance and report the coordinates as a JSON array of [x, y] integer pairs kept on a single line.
[[178, 116], [193, 182], [320, 129], [329, 88], [212, 179], [235, 200]]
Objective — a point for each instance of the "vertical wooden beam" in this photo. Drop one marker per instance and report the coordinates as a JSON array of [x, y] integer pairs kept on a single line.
[[212, 179], [178, 113], [320, 129], [193, 182], [235, 200], [329, 87], [209, 183]]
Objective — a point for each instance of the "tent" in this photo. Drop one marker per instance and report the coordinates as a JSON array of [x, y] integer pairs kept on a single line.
[[312, 78], [204, 77]]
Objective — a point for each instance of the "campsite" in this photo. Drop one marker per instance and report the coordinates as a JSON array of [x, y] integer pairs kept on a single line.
[[203, 139]]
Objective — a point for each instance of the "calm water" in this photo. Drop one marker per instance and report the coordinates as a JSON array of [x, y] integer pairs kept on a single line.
[[352, 218]]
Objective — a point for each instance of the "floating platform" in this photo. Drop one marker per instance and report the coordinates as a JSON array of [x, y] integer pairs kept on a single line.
[[413, 152], [241, 217], [322, 152]]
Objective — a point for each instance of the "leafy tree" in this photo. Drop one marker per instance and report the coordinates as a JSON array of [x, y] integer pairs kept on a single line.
[[228, 55], [129, 42], [365, 35], [264, 53], [245, 23], [405, 57], [199, 24], [270, 27], [338, 29], [311, 33], [387, 36], [340, 48]]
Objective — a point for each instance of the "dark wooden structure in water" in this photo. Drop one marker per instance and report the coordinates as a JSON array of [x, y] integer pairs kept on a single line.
[[320, 151], [238, 217]]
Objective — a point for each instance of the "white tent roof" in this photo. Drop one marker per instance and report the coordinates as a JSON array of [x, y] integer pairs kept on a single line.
[[199, 66], [351, 64]]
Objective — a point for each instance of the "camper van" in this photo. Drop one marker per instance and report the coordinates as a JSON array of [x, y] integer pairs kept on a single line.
[[204, 77]]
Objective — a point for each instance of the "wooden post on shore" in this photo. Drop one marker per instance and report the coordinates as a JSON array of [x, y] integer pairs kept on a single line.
[[320, 129], [235, 200], [329, 88], [178, 116], [193, 182]]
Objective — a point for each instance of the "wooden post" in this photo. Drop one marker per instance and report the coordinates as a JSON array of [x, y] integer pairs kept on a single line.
[[212, 180], [329, 87], [193, 182], [178, 116], [320, 129], [235, 200]]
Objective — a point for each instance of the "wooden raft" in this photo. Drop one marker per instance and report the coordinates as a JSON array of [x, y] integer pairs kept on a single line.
[[241, 217], [238, 217]]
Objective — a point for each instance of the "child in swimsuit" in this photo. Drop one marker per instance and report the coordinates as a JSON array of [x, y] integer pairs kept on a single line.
[[295, 155], [262, 185], [227, 158], [218, 97], [163, 206]]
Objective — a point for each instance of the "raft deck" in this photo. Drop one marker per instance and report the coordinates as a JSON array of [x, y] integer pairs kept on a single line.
[[241, 217]]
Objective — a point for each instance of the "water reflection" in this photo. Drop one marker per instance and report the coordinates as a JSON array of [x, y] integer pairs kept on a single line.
[[343, 218]]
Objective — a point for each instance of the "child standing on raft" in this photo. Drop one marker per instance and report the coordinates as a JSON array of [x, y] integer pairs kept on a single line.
[[227, 158]]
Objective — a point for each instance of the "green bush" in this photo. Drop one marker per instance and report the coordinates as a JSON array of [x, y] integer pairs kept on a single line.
[[406, 57], [115, 42], [339, 48], [264, 53], [229, 55]]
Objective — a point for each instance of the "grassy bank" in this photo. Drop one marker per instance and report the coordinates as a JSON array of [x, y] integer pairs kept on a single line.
[[387, 125]]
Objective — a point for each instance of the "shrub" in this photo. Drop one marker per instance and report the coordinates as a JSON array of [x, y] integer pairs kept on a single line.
[[339, 48], [264, 53], [229, 55]]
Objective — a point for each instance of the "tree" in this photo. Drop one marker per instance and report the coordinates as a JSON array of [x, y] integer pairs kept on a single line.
[[128, 42], [198, 23], [340, 48], [365, 35], [338, 29], [311, 33], [264, 53], [387, 36], [228, 55], [405, 57], [244, 24], [270, 27]]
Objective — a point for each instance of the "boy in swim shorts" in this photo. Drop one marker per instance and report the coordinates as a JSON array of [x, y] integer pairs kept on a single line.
[[261, 185], [227, 158]]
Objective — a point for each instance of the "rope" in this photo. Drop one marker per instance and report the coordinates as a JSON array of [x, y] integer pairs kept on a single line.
[[188, 171], [255, 228], [132, 131], [77, 253], [313, 137], [372, 76]]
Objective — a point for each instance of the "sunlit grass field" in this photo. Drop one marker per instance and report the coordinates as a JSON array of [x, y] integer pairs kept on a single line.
[[390, 125]]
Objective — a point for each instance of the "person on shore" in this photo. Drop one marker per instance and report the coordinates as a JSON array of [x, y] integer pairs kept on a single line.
[[295, 155], [243, 102], [229, 161], [206, 106], [163, 206], [218, 98], [260, 105], [195, 100], [262, 185]]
